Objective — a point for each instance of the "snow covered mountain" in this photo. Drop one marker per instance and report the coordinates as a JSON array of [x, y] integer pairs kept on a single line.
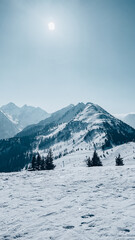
[[23, 116], [83, 125], [61, 116], [74, 128], [7, 128]]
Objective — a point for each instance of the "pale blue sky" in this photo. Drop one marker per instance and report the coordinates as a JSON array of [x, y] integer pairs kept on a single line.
[[90, 57]]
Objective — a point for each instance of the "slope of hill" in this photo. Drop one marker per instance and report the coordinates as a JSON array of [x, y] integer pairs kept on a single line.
[[7, 128], [88, 126], [71, 202], [84, 126], [24, 116], [59, 117]]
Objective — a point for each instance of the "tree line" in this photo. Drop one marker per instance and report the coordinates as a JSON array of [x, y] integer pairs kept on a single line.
[[46, 163], [42, 163]]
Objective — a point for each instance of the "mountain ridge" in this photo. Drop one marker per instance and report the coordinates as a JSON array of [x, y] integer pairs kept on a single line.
[[83, 126], [7, 128], [21, 117]]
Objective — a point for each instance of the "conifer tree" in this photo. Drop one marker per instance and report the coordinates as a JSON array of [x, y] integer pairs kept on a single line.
[[89, 162], [49, 161], [34, 163], [119, 161], [96, 160], [42, 163], [38, 167]]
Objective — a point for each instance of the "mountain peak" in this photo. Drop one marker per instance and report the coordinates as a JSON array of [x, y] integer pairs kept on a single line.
[[74, 128], [23, 116], [10, 105]]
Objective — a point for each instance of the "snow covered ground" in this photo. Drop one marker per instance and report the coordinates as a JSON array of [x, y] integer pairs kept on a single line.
[[73, 202]]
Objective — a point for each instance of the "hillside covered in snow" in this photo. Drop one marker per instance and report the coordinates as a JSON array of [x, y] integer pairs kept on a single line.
[[17, 118], [71, 202], [74, 128], [7, 128]]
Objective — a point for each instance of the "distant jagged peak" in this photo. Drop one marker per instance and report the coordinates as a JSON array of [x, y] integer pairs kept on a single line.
[[71, 105], [29, 107], [10, 105], [25, 106], [62, 111]]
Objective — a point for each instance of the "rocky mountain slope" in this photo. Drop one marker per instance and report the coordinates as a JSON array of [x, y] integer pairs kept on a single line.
[[24, 116], [19, 118], [7, 128], [84, 126]]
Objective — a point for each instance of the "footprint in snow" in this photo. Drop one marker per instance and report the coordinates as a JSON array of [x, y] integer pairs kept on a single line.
[[68, 227], [99, 185], [48, 214], [124, 229], [87, 216], [6, 237], [17, 236]]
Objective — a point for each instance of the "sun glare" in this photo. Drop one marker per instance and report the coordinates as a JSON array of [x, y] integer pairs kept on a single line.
[[51, 26]]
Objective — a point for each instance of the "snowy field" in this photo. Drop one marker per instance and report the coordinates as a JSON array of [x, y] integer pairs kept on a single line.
[[73, 202]]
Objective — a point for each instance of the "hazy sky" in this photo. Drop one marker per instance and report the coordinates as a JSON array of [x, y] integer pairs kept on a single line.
[[90, 57]]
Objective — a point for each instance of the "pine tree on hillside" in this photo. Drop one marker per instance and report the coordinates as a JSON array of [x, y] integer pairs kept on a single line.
[[43, 163], [89, 162], [49, 161], [119, 161], [38, 167], [96, 160], [34, 163]]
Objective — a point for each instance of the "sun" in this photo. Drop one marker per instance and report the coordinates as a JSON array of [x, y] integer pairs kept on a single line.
[[51, 26]]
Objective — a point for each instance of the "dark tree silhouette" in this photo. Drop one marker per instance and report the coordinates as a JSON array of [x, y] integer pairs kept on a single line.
[[89, 162], [49, 161], [96, 160], [38, 167], [34, 163], [42, 163], [119, 161]]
